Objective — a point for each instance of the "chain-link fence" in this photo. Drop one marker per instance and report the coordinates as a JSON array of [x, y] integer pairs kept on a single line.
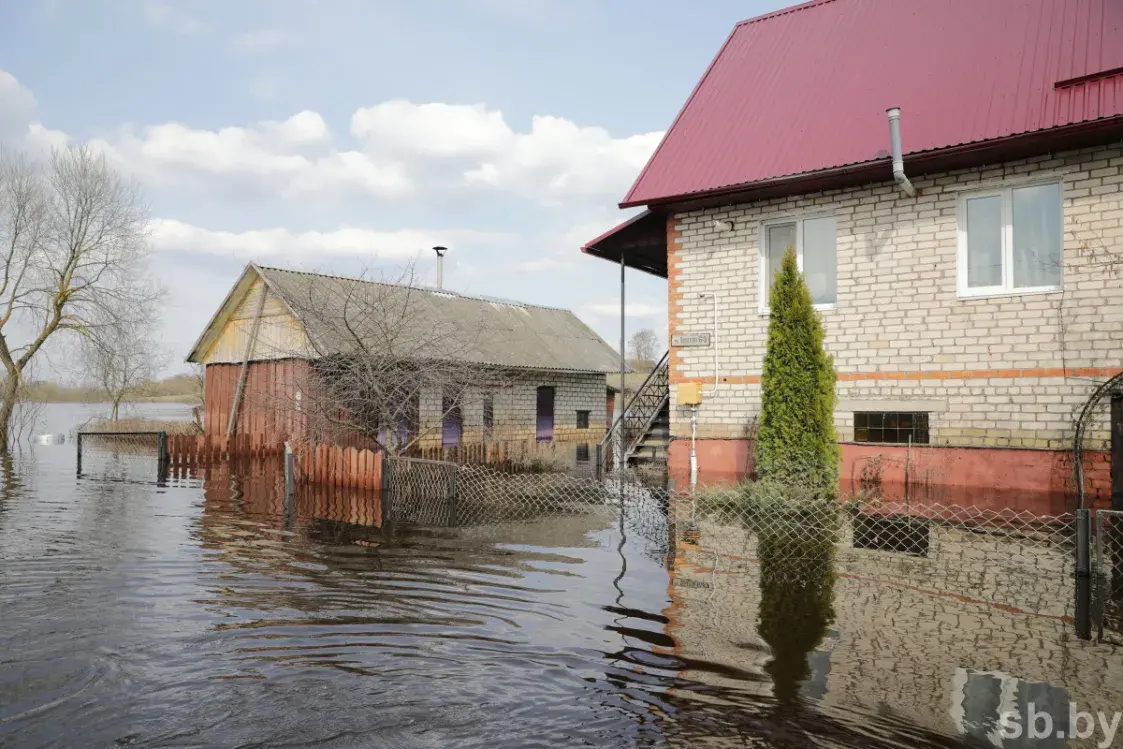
[[1010, 558], [123, 456], [1107, 588]]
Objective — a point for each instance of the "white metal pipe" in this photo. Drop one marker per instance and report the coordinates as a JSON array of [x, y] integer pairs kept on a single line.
[[693, 452], [898, 155], [715, 342]]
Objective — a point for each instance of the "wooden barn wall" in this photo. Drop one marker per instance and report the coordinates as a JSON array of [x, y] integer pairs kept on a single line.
[[269, 404]]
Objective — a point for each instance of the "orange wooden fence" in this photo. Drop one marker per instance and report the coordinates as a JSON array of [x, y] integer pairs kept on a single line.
[[346, 467]]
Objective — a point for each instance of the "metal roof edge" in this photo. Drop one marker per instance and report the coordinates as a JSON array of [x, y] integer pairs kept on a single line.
[[681, 111], [914, 157], [619, 227], [783, 12], [218, 313], [429, 289]]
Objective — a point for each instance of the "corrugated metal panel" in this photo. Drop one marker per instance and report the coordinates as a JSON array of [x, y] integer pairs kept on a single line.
[[806, 89], [436, 324]]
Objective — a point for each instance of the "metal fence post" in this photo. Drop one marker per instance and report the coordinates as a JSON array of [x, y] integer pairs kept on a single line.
[[600, 461], [79, 455], [161, 457], [1084, 574], [1115, 535], [289, 477], [384, 488], [452, 495]]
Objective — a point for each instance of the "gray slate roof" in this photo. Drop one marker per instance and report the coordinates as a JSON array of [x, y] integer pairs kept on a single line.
[[425, 323]]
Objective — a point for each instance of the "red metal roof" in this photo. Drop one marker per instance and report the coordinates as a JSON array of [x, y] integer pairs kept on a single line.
[[805, 89]]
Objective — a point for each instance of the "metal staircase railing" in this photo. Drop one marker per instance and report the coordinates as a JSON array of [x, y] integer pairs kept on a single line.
[[636, 417]]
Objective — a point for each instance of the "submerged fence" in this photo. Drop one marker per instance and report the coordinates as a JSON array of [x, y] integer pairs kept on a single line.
[[1042, 565]]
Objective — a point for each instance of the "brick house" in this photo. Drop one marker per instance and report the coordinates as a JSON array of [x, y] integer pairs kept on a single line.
[[275, 325], [971, 293]]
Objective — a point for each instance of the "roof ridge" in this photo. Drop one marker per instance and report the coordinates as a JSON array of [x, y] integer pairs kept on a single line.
[[429, 289], [783, 12]]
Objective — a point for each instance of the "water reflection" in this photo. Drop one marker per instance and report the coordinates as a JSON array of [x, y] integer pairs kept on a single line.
[[211, 612], [796, 610]]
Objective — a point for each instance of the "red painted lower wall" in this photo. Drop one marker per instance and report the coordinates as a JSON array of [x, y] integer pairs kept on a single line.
[[268, 413], [1039, 481]]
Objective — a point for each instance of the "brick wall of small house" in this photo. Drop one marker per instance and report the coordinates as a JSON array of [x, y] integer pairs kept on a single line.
[[1008, 371], [515, 409]]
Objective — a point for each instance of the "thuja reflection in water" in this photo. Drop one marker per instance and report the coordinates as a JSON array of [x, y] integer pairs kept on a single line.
[[797, 578]]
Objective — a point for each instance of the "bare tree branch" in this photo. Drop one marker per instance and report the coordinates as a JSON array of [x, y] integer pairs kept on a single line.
[[73, 234], [381, 357]]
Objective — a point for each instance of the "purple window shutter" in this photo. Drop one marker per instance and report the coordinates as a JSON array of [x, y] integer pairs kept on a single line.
[[544, 431], [452, 425]]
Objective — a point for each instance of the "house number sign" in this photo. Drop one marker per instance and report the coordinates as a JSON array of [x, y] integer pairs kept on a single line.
[[690, 340]]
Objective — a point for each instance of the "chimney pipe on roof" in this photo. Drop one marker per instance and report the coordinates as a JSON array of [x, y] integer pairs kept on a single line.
[[440, 265], [898, 158]]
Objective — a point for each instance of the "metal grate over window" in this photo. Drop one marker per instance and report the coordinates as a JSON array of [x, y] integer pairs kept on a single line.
[[893, 427]]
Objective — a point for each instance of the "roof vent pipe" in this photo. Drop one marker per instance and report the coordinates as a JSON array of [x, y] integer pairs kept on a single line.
[[440, 265], [898, 158]]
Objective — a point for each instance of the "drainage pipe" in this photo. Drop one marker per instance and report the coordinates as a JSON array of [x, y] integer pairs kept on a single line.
[[898, 158]]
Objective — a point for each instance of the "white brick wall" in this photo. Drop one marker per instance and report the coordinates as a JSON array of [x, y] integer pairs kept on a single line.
[[976, 364], [515, 408]]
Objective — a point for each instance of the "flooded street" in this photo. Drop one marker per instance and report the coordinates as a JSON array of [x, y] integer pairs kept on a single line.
[[201, 613]]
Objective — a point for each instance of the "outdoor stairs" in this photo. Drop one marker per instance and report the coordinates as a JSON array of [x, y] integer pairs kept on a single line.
[[644, 426], [651, 447]]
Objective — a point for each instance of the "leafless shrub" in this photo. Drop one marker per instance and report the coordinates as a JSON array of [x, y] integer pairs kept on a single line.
[[121, 358], [389, 366]]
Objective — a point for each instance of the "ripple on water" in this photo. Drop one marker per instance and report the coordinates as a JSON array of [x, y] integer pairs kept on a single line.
[[200, 614]]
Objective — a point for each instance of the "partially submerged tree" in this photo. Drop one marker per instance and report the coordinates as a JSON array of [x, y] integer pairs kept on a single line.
[[120, 358], [72, 256], [796, 440]]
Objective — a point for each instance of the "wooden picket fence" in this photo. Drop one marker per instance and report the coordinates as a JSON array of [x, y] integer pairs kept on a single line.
[[326, 465], [346, 467]]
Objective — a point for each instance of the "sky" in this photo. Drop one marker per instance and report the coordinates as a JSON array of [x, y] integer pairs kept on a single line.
[[349, 136]]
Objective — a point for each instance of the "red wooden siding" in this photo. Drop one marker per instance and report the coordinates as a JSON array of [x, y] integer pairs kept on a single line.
[[268, 414]]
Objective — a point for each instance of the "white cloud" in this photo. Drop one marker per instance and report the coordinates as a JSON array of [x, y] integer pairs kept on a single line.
[[456, 131], [259, 41], [17, 106], [556, 159], [268, 245], [602, 310], [406, 148], [166, 16], [292, 157]]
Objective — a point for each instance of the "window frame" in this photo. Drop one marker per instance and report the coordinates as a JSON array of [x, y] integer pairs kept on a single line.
[[588, 414], [764, 282], [1005, 194], [915, 429]]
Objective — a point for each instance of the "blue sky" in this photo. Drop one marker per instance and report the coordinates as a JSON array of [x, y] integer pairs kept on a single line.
[[346, 135]]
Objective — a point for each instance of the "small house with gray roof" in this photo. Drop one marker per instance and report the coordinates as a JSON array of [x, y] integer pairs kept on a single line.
[[487, 370]]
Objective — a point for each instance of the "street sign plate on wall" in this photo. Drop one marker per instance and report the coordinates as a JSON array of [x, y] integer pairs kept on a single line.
[[690, 340]]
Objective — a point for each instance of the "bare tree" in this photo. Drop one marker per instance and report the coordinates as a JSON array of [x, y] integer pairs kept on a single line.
[[121, 358], [72, 256], [198, 395], [643, 346], [383, 357]]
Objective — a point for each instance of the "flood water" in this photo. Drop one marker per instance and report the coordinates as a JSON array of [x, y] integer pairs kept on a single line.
[[201, 613]]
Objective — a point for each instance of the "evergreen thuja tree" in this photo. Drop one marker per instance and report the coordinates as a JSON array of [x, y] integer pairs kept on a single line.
[[796, 439]]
